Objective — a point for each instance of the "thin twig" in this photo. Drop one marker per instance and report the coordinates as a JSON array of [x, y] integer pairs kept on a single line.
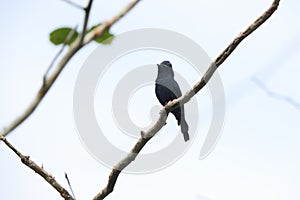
[[146, 136], [99, 30], [87, 10], [74, 48], [66, 42], [70, 186], [275, 95], [73, 4], [39, 170]]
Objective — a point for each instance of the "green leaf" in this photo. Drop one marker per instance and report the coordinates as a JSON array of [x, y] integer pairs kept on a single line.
[[105, 38], [59, 36]]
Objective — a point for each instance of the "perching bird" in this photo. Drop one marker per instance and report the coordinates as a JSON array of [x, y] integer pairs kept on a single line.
[[167, 89]]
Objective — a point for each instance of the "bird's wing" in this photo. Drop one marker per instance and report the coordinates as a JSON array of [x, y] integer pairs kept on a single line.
[[172, 85]]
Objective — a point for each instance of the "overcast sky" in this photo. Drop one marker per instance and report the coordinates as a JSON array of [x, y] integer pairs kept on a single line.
[[257, 156]]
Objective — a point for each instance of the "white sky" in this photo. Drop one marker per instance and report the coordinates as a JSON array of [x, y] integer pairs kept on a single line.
[[257, 156]]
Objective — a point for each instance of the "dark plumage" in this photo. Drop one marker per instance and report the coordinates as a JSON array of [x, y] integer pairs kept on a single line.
[[167, 89]]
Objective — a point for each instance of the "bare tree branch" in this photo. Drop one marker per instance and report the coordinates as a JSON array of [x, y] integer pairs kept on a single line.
[[75, 47], [231, 47], [146, 136], [39, 170]]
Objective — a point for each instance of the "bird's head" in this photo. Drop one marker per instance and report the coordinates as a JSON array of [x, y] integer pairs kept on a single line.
[[167, 63], [165, 70]]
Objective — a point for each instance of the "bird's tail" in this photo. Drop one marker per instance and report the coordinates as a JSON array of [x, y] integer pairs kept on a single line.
[[184, 129]]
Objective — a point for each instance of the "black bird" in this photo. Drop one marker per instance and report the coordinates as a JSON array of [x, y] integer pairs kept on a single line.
[[167, 89]]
